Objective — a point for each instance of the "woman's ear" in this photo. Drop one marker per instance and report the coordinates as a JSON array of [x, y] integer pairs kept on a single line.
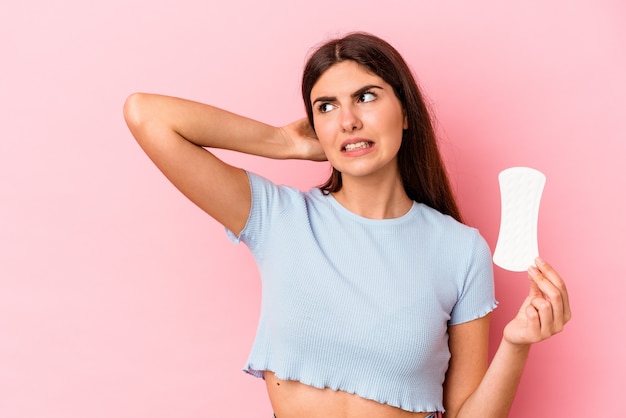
[[405, 123]]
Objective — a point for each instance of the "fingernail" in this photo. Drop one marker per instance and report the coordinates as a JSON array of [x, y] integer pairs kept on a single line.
[[539, 260], [533, 270]]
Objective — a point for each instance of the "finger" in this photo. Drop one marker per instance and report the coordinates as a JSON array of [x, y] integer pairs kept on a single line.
[[535, 291], [551, 274], [533, 325], [552, 295], [547, 324], [553, 287]]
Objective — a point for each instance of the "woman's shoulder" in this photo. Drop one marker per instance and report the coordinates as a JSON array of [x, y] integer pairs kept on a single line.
[[272, 197], [265, 185], [447, 226], [433, 215]]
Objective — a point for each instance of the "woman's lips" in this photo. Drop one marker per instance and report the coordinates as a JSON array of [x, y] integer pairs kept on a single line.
[[357, 146]]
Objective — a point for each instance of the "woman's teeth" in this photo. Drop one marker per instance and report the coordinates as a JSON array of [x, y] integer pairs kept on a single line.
[[357, 145]]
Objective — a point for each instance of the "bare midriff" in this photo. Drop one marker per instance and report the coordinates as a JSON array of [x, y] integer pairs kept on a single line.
[[292, 399]]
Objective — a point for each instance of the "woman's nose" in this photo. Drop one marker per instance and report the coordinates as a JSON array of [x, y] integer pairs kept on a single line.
[[349, 120]]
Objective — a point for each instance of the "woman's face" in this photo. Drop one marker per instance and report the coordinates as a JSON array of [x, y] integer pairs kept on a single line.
[[358, 120]]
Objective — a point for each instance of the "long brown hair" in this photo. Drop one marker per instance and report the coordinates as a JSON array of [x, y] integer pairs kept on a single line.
[[419, 161]]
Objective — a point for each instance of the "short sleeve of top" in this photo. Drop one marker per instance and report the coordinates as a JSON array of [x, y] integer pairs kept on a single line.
[[476, 293], [269, 202]]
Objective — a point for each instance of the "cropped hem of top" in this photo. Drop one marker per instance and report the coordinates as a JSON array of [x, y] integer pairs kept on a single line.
[[357, 304]]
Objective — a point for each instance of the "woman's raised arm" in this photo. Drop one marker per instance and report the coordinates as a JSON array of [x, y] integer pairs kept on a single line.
[[173, 132]]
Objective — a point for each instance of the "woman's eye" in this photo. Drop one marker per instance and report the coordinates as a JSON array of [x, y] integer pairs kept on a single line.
[[325, 107], [367, 97]]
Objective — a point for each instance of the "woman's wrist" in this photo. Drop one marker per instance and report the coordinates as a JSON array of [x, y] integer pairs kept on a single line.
[[515, 349]]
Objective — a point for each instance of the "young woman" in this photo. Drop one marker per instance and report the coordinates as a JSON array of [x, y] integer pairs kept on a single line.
[[376, 298]]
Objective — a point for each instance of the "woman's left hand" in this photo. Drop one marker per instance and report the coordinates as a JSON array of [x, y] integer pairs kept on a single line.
[[302, 140], [545, 311]]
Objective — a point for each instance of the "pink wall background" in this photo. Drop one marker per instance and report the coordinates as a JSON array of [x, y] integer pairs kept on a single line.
[[118, 298]]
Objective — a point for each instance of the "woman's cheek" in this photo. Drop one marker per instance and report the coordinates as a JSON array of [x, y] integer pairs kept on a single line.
[[324, 136]]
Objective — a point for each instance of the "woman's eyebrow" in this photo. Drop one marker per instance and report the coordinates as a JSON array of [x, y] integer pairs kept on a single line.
[[364, 89], [353, 95], [324, 99]]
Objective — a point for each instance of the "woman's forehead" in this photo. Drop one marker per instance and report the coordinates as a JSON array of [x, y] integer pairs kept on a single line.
[[344, 78]]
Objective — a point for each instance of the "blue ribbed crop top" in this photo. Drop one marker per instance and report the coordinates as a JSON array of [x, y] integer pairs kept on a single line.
[[361, 305]]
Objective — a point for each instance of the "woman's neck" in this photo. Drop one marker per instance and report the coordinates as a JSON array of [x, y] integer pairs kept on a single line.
[[374, 198]]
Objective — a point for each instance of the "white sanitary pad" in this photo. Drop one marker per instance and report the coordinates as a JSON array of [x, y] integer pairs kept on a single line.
[[520, 191]]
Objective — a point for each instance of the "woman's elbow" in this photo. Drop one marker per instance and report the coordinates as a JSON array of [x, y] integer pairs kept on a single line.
[[135, 110]]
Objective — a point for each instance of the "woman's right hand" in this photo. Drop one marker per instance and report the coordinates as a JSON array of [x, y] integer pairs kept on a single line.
[[302, 140]]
